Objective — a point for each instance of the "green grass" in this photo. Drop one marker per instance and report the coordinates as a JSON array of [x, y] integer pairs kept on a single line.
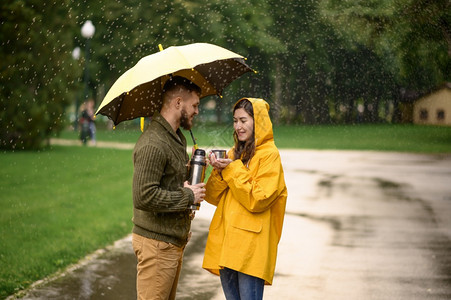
[[403, 138], [57, 206], [60, 204]]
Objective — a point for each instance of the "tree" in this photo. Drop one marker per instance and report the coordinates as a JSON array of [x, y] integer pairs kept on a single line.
[[37, 72], [301, 72], [412, 36], [130, 29]]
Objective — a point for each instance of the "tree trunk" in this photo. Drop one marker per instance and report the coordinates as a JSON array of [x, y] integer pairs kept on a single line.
[[277, 93]]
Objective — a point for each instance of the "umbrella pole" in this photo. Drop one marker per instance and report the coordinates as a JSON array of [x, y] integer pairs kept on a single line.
[[194, 140], [160, 47]]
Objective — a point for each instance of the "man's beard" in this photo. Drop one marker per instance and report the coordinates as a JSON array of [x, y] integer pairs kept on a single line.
[[184, 120]]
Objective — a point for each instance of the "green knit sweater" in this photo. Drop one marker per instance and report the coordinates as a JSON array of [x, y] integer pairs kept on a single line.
[[161, 203]]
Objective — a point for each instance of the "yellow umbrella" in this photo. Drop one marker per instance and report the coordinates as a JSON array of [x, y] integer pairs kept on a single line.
[[137, 92]]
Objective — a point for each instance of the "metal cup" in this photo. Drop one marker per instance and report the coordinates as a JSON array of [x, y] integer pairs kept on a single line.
[[219, 153]]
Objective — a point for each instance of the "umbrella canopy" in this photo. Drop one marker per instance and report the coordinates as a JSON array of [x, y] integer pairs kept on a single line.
[[138, 92]]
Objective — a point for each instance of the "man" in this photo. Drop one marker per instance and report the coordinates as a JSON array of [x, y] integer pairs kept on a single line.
[[161, 194]]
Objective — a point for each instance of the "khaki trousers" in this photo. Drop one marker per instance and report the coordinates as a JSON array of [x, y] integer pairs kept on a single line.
[[158, 268]]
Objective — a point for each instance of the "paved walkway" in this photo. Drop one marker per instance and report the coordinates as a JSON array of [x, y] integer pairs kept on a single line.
[[99, 144], [359, 225]]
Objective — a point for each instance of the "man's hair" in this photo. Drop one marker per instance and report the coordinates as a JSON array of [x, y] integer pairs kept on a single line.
[[179, 82]]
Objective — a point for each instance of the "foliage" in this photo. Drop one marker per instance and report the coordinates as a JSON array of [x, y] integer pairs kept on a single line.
[[128, 30], [317, 61], [299, 75], [37, 72], [412, 36]]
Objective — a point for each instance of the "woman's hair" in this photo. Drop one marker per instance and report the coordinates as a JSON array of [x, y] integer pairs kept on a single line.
[[244, 150]]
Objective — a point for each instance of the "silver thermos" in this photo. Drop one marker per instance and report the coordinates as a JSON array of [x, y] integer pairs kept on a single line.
[[197, 171]]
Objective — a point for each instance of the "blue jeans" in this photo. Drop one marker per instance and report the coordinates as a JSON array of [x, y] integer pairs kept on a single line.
[[240, 286]]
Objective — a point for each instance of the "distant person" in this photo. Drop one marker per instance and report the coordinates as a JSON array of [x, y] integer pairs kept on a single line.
[[248, 188], [161, 195], [87, 123], [92, 125], [83, 123]]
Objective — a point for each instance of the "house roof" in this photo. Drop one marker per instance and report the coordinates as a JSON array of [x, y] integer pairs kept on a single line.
[[411, 96], [446, 85]]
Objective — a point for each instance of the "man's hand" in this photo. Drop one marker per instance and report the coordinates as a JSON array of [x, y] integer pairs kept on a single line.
[[198, 190]]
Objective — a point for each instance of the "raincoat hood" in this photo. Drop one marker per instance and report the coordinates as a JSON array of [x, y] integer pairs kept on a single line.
[[262, 123]]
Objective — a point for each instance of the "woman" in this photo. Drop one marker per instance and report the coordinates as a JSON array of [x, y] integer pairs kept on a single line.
[[249, 191]]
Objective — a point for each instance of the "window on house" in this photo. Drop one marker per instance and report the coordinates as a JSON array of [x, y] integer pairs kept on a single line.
[[440, 115], [423, 114]]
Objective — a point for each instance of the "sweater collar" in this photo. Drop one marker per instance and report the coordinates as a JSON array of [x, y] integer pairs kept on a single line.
[[177, 135]]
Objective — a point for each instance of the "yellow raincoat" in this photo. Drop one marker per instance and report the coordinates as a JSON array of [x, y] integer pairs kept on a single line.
[[247, 224]]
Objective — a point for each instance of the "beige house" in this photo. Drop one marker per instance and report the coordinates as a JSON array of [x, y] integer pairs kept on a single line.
[[434, 108]]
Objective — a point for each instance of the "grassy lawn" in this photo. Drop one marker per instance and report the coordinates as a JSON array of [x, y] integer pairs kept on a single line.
[[403, 138], [57, 206], [62, 203]]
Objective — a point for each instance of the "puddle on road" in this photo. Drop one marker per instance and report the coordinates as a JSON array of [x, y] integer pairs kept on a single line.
[[108, 274], [111, 274], [394, 239], [385, 184]]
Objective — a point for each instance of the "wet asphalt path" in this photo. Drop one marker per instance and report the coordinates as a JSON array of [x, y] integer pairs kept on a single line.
[[359, 225]]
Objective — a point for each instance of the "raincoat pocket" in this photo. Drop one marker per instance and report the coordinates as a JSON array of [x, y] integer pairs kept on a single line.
[[247, 223]]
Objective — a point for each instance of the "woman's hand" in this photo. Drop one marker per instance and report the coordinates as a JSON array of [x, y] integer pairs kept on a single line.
[[219, 164]]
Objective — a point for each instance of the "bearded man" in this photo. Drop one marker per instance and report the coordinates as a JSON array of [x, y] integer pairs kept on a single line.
[[161, 194]]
